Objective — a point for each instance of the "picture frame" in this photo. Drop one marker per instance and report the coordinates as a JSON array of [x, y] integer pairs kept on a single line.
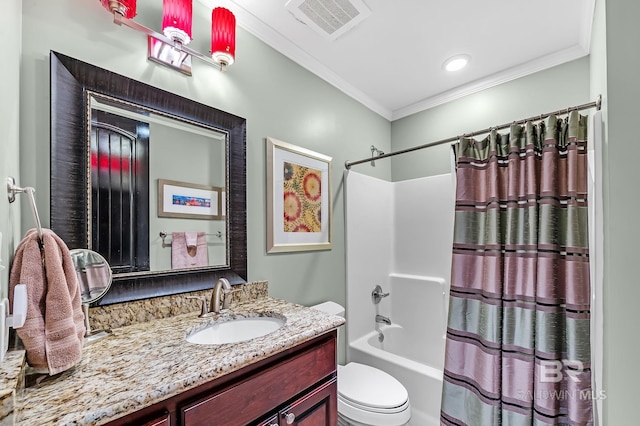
[[185, 200], [299, 215]]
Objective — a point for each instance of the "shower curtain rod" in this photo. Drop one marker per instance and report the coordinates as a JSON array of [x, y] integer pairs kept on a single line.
[[595, 104]]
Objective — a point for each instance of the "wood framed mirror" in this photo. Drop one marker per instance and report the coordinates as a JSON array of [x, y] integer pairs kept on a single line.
[[75, 87]]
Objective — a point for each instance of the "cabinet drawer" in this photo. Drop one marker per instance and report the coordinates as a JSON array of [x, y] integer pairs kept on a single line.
[[255, 396]]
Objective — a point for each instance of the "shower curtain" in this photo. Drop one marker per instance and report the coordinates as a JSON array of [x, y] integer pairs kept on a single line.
[[518, 345]]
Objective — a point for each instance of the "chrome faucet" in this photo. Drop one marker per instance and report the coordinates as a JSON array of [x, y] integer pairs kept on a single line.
[[377, 294], [219, 289], [383, 320]]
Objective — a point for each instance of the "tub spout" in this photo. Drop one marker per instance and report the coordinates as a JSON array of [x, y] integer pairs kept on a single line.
[[382, 319]]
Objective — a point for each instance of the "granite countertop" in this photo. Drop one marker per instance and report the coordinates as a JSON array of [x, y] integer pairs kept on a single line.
[[145, 363], [11, 375]]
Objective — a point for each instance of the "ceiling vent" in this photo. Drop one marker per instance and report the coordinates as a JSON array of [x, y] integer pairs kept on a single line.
[[330, 18]]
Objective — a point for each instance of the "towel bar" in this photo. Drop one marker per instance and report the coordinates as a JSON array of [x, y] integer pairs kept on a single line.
[[164, 235], [13, 189]]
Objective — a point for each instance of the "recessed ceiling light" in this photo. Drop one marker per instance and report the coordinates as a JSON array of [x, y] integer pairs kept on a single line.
[[456, 63]]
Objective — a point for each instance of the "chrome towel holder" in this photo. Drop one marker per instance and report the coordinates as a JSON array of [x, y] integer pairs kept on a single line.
[[164, 235], [13, 189]]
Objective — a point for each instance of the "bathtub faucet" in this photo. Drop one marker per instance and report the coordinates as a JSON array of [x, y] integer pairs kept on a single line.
[[383, 320]]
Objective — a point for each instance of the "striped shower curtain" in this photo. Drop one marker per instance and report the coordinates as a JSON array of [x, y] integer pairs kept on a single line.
[[518, 346]]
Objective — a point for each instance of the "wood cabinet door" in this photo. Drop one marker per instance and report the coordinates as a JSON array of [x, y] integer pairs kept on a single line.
[[317, 408]]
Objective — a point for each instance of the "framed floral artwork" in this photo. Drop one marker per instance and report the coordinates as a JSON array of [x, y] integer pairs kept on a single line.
[[298, 198]]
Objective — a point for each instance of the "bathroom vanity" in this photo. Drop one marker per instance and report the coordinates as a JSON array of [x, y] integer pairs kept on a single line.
[[148, 374], [280, 390]]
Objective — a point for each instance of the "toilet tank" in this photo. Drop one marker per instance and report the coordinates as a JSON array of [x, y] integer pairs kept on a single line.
[[331, 308]]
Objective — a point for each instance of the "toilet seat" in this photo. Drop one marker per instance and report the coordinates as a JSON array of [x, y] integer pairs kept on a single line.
[[371, 396], [393, 410]]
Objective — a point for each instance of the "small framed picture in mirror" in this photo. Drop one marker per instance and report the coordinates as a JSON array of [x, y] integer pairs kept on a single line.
[[189, 200]]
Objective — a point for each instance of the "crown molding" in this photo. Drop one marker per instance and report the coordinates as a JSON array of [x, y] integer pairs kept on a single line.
[[493, 80], [587, 25], [277, 41]]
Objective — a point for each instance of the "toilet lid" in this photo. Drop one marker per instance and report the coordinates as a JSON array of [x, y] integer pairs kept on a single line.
[[370, 387]]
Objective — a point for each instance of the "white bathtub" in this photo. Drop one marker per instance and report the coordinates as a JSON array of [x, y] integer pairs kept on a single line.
[[413, 347]]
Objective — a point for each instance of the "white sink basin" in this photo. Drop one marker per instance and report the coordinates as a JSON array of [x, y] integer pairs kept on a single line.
[[236, 330]]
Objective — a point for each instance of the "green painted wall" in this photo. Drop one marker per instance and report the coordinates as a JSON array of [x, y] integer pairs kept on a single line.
[[598, 85], [550, 90], [9, 123], [276, 96], [621, 229]]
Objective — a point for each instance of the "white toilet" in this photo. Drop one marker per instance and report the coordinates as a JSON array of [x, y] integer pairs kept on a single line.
[[368, 396]]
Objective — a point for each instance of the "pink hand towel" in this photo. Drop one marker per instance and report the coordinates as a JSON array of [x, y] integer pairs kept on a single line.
[[191, 238], [53, 333], [189, 250]]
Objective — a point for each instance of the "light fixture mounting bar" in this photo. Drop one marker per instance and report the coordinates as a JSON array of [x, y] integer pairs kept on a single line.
[[121, 20]]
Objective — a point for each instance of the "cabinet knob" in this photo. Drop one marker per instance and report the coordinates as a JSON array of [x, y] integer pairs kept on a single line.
[[290, 418]]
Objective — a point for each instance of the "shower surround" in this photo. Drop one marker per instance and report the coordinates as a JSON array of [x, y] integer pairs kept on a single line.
[[399, 236]]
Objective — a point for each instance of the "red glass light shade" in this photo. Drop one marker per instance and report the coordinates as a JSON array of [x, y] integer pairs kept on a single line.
[[126, 8], [223, 36], [176, 20]]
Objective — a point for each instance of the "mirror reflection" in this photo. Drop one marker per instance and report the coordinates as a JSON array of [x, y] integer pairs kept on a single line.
[[94, 279], [93, 273], [157, 188]]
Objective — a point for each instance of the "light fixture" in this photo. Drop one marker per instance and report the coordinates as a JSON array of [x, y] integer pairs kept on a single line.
[[223, 36], [170, 48], [176, 20], [126, 8], [456, 63]]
